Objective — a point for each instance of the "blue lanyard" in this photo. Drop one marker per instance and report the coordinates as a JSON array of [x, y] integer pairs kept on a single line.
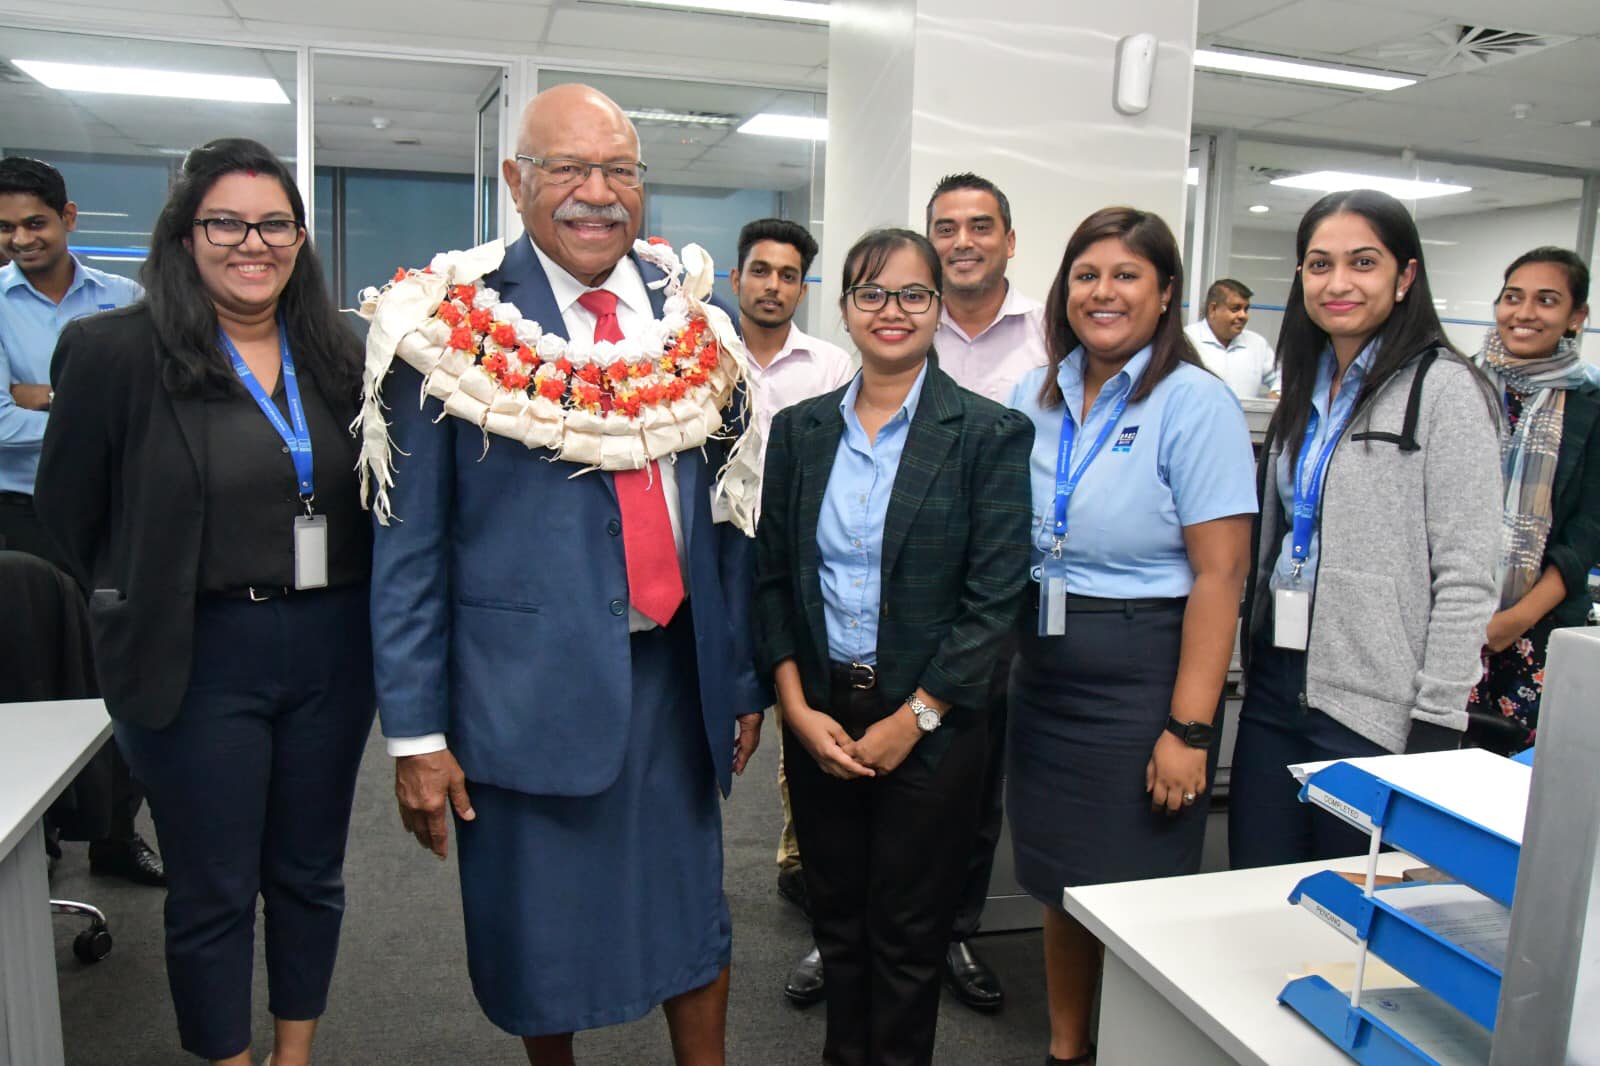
[[298, 438], [1308, 493], [1067, 484]]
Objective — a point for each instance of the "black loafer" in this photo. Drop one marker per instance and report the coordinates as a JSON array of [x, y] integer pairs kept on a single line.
[[804, 986], [970, 978], [131, 859], [792, 888]]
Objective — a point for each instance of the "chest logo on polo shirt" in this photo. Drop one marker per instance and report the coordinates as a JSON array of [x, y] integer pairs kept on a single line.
[[1124, 441], [107, 307]]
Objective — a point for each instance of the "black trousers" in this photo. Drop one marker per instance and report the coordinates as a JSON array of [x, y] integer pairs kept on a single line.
[[885, 859], [251, 789], [975, 891]]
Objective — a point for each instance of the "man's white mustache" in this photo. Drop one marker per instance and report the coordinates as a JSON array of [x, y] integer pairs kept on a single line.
[[573, 211]]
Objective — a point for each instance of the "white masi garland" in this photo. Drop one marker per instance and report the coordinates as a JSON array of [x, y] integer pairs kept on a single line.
[[601, 405]]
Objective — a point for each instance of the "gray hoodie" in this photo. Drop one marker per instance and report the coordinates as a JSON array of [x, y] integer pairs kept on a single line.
[[1409, 545]]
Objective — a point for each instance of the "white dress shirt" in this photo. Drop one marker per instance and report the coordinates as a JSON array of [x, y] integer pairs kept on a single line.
[[633, 311], [804, 367], [1247, 364], [990, 363]]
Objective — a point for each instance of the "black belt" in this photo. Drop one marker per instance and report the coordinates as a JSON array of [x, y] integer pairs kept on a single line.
[[251, 593], [1099, 605], [853, 675], [7, 496]]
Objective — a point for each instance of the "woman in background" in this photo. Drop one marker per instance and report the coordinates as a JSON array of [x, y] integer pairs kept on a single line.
[[1551, 535], [198, 474], [1142, 504], [1380, 505]]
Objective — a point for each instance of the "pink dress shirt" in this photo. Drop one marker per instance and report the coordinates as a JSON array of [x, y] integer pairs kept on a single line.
[[997, 358]]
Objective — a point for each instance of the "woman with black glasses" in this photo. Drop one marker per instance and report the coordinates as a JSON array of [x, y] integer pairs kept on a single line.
[[890, 557], [198, 475]]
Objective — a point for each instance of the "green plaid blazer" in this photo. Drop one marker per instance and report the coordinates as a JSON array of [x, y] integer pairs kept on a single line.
[[955, 545]]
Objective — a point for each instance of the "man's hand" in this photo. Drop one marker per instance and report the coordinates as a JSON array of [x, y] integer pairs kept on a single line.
[[887, 742], [748, 740], [422, 785], [31, 397]]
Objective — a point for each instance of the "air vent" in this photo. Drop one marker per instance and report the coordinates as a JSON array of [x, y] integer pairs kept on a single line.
[[1271, 173], [1452, 48]]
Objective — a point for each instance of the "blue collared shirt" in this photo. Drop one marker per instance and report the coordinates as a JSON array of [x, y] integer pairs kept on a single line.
[[1179, 457], [29, 325], [1319, 423], [850, 527]]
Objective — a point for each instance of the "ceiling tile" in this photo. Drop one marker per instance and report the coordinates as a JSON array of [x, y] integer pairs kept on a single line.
[[1258, 96], [1327, 26], [1218, 15]]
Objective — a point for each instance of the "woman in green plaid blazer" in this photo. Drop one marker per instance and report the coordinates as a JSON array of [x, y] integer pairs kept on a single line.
[[890, 560]]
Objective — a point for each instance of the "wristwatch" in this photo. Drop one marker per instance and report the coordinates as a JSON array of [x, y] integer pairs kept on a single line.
[[1194, 734], [928, 719]]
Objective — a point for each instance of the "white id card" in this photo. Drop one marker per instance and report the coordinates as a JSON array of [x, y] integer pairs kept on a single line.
[[1053, 597], [1291, 618], [311, 551]]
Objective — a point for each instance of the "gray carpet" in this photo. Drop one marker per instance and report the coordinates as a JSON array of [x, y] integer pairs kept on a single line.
[[401, 997]]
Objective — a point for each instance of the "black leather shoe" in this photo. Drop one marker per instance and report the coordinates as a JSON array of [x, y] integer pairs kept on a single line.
[[970, 978], [792, 887], [804, 986], [131, 859]]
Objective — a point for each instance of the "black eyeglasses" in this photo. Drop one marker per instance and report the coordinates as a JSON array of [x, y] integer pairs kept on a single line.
[[232, 232], [562, 171], [913, 299]]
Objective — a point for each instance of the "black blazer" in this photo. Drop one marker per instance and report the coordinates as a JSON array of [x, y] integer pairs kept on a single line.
[[1574, 543], [121, 490], [955, 545]]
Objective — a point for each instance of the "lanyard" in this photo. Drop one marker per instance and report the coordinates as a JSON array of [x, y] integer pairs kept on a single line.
[[1308, 492], [298, 438], [1067, 484]]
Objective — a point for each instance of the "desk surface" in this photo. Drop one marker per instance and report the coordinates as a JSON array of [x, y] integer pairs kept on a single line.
[[1220, 947], [45, 744]]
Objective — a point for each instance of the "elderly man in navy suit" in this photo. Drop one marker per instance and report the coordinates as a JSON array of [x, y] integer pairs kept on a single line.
[[546, 670]]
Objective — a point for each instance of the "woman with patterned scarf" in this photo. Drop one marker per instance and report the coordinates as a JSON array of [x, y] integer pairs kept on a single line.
[[1551, 532]]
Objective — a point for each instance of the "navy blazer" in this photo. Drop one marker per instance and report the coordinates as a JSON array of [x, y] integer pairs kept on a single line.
[[500, 592]]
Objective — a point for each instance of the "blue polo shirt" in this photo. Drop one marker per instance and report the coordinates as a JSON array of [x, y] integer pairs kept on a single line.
[[29, 325], [850, 527], [1178, 457]]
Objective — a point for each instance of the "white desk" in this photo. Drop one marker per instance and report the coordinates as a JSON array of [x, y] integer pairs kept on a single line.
[[42, 747], [1194, 966]]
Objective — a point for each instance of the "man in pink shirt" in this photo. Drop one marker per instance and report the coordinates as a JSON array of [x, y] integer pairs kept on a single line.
[[786, 366], [989, 336]]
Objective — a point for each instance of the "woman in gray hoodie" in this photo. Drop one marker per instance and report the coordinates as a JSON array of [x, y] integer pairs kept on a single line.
[[1379, 534]]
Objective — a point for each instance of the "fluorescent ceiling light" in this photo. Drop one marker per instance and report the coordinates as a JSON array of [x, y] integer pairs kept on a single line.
[[1259, 209], [1344, 181], [102, 214], [1441, 244], [1191, 176], [801, 127], [1262, 66], [142, 81], [795, 10], [694, 118], [1262, 258]]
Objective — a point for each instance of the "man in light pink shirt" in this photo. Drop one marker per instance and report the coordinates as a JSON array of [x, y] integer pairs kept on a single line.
[[786, 366], [989, 333], [989, 336]]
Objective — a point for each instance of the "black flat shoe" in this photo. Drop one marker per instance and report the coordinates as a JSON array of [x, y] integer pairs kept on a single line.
[[970, 978], [1086, 1059], [804, 986], [131, 859], [792, 888]]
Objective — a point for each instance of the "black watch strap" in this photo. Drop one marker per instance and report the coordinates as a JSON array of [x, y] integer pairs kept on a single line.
[[1194, 734]]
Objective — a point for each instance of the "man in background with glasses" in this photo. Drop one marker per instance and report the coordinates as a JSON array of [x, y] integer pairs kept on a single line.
[[562, 659], [42, 288]]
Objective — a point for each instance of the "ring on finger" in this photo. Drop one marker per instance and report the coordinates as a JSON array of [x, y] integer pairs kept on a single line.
[[1188, 797]]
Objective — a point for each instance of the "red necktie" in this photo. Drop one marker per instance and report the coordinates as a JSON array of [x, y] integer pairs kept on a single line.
[[655, 585]]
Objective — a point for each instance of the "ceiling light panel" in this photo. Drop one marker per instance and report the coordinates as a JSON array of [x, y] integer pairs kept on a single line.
[[142, 81], [799, 127], [1286, 70], [1345, 181], [793, 10]]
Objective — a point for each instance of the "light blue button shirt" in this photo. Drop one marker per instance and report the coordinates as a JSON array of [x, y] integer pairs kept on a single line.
[[30, 322], [1179, 457], [850, 527], [1319, 422]]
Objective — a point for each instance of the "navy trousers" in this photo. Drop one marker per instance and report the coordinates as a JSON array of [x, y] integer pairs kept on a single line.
[[250, 790], [1267, 823]]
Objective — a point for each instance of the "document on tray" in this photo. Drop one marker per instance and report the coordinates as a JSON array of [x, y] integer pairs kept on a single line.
[[1475, 785], [1470, 920]]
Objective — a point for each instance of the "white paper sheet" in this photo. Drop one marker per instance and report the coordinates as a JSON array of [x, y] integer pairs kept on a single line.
[[1427, 1021], [1476, 785], [1470, 920]]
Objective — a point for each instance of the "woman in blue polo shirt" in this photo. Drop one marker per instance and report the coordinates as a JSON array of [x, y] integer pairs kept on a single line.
[[1142, 504]]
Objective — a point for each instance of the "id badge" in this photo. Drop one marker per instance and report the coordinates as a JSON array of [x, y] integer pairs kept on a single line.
[[1291, 618], [1053, 597], [311, 551]]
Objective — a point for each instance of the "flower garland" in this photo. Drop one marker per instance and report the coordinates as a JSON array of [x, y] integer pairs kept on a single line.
[[602, 405]]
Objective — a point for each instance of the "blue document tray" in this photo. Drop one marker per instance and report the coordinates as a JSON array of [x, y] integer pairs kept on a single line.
[[1461, 979], [1372, 1037]]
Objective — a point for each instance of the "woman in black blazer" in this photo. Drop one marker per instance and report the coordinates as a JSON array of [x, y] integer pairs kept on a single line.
[[1552, 496], [198, 475], [891, 554]]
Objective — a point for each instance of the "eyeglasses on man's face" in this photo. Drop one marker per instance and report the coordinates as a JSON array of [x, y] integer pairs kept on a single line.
[[913, 299], [561, 171], [232, 232]]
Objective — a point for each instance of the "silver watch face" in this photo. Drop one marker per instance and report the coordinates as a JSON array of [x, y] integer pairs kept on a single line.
[[928, 720]]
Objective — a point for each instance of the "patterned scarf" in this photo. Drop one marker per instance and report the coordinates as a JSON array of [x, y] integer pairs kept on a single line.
[[1528, 456]]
